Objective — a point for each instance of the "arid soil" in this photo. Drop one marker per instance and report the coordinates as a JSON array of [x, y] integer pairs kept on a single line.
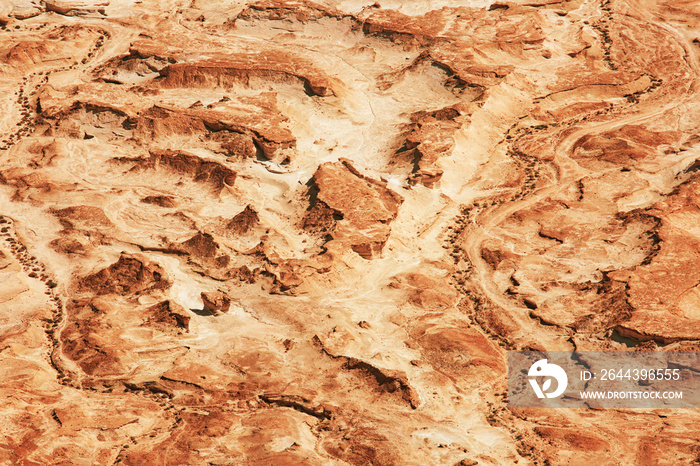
[[291, 233]]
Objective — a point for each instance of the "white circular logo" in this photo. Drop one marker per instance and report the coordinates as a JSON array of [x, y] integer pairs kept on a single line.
[[549, 371]]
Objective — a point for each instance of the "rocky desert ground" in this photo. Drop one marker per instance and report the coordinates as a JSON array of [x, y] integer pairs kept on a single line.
[[307, 233]]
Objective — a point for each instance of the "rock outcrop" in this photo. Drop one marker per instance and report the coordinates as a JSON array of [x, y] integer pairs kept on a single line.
[[359, 208], [216, 302]]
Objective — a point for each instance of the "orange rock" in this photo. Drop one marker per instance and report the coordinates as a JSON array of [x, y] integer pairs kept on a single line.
[[366, 207], [216, 302]]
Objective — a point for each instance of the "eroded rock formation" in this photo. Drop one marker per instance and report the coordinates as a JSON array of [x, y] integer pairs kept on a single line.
[[386, 196]]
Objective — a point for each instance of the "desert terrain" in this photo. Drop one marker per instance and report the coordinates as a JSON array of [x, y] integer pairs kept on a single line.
[[285, 232]]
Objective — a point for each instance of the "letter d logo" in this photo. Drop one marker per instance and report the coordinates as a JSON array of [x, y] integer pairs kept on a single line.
[[543, 369]]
